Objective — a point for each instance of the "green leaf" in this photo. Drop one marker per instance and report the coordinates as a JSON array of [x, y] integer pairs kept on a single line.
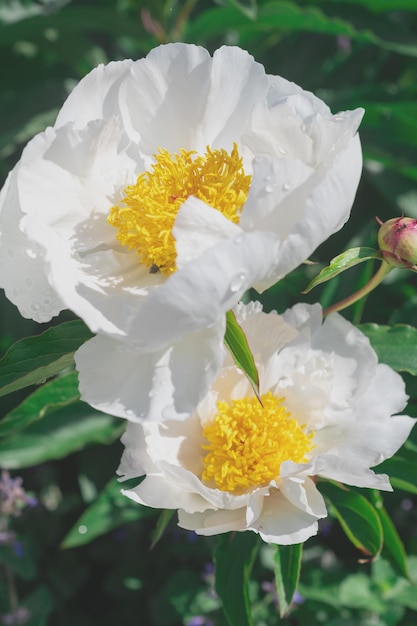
[[61, 391], [233, 558], [235, 340], [402, 470], [343, 262], [395, 346], [392, 542], [57, 435], [110, 510], [30, 361], [161, 524], [356, 516], [287, 574]]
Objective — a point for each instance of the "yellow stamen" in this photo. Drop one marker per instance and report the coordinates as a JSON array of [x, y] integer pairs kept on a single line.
[[147, 213], [248, 441]]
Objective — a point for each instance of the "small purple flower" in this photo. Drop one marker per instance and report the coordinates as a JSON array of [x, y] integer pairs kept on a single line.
[[15, 618], [344, 43], [12, 495], [199, 620]]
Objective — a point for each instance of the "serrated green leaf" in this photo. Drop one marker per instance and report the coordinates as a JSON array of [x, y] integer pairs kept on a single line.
[[235, 340], [233, 559], [395, 346], [287, 570], [57, 435], [392, 542], [343, 262], [61, 391], [110, 510], [356, 516], [31, 361]]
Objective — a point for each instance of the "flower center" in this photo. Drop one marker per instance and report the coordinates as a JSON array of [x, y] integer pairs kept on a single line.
[[147, 213], [248, 441]]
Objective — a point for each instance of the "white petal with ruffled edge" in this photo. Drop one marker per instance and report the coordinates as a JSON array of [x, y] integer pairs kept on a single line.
[[327, 377]]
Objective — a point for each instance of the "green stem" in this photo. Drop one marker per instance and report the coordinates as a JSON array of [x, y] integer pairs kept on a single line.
[[370, 285]]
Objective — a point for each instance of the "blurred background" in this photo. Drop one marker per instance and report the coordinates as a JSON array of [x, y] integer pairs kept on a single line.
[[82, 555]]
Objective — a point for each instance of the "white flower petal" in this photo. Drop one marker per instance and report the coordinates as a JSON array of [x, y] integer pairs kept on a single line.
[[213, 522], [28, 288], [283, 523], [304, 495], [219, 276], [165, 384], [317, 373], [95, 96], [197, 228]]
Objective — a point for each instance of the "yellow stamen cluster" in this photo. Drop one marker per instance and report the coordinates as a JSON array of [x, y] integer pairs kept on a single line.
[[248, 441], [146, 215]]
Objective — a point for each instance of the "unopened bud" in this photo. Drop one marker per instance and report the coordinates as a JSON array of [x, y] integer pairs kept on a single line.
[[397, 240]]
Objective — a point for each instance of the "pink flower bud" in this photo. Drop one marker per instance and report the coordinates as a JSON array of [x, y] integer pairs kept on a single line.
[[397, 240]]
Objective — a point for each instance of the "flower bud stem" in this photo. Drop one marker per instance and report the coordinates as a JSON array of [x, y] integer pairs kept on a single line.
[[370, 285]]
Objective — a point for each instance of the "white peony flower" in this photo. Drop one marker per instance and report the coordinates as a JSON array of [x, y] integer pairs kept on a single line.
[[167, 187], [328, 409]]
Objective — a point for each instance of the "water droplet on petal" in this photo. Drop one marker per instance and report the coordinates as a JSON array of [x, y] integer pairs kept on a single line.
[[282, 151], [269, 188], [237, 282], [35, 307], [338, 118], [258, 160], [286, 186], [238, 240], [47, 301], [82, 529], [260, 528]]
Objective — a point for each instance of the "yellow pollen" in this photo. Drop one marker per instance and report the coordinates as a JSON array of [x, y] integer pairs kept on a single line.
[[248, 441], [146, 215]]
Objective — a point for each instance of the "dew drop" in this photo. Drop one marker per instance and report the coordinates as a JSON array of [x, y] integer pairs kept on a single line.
[[82, 529], [47, 301], [237, 282], [260, 528], [282, 151], [338, 118], [238, 240], [286, 186], [129, 413], [258, 160], [35, 307], [269, 188]]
